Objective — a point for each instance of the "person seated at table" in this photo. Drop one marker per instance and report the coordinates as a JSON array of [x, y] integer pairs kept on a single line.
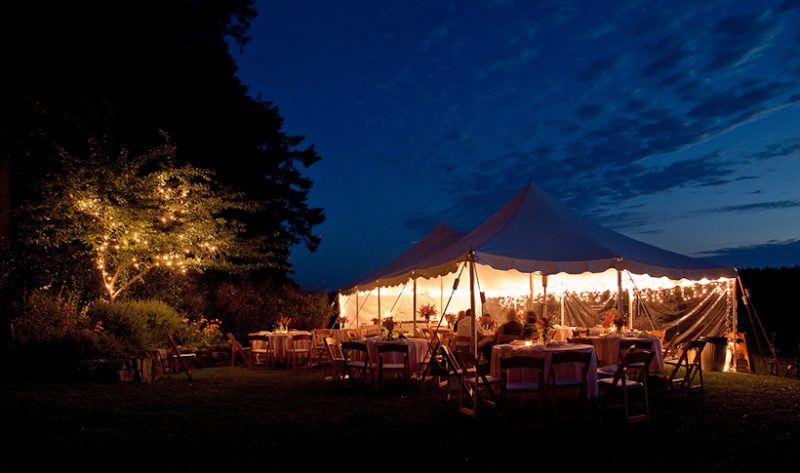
[[459, 318], [487, 322], [530, 323], [512, 327]]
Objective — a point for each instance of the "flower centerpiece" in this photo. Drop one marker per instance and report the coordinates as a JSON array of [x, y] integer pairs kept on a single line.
[[342, 321], [543, 327], [388, 324], [612, 317], [427, 311], [283, 324], [450, 318]]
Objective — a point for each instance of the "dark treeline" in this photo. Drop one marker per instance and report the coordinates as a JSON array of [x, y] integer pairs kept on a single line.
[[771, 290], [123, 74]]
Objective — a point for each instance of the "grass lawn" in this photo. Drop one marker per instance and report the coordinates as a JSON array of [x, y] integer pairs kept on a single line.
[[229, 419]]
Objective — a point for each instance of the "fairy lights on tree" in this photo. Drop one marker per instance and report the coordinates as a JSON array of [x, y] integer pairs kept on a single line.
[[135, 215]]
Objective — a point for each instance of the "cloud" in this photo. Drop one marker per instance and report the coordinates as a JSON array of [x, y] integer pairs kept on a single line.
[[755, 207], [741, 38], [524, 56], [598, 68], [772, 253], [589, 111], [787, 147], [672, 50]]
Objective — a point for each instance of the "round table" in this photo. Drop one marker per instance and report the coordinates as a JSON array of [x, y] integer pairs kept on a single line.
[[417, 349], [607, 349]]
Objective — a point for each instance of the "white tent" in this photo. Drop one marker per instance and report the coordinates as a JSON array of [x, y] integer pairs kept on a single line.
[[535, 254]]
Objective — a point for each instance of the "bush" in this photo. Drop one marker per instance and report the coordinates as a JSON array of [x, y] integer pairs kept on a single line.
[[138, 324], [201, 332]]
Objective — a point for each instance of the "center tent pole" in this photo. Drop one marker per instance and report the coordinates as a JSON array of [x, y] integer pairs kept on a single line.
[[474, 333], [379, 306], [544, 296], [619, 287], [530, 283], [414, 324]]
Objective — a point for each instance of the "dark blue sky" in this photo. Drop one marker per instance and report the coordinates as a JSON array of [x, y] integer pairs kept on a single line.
[[676, 123]]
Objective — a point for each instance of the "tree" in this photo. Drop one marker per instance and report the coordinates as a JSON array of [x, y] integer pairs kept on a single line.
[[130, 68], [137, 214]]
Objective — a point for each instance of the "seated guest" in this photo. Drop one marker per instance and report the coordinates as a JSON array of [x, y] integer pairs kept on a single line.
[[487, 322], [530, 323], [512, 327], [459, 317]]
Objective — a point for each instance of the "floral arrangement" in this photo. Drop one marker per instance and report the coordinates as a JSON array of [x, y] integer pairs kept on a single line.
[[428, 311], [283, 323], [388, 324], [450, 318], [342, 321], [375, 321], [543, 327], [612, 317]]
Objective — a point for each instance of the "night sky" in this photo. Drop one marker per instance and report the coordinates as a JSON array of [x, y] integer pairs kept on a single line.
[[675, 123]]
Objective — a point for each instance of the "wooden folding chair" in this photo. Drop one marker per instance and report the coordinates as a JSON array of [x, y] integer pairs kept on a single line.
[[318, 347], [356, 360], [522, 391], [402, 368], [261, 352], [337, 360], [690, 361], [582, 358], [300, 346], [624, 382], [237, 349], [472, 380]]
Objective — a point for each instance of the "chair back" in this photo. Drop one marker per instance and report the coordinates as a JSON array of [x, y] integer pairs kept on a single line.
[[641, 344], [334, 350], [507, 338], [262, 339], [511, 362], [300, 337], [320, 335], [559, 357], [361, 347], [393, 348], [461, 343], [636, 358], [452, 361]]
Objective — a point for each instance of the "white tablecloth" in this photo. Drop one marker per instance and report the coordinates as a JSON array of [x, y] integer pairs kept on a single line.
[[417, 349], [280, 342], [571, 370]]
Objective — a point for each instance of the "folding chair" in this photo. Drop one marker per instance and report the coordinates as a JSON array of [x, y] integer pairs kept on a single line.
[[582, 358], [388, 348], [608, 371], [337, 360], [523, 390], [352, 364], [318, 347], [237, 349], [262, 353], [472, 380], [300, 345], [624, 382], [690, 361]]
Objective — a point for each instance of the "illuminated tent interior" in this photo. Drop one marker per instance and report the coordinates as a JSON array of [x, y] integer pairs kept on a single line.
[[535, 254]]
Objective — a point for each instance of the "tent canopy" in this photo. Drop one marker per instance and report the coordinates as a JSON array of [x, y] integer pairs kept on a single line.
[[533, 233]]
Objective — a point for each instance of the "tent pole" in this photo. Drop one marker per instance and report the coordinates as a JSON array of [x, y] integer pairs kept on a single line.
[[379, 307], [630, 309], [474, 333], [734, 315], [530, 283], [619, 290], [414, 324], [562, 307], [357, 309], [441, 296], [544, 296]]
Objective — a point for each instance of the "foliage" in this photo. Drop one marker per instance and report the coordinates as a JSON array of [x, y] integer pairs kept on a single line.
[[139, 324], [54, 328], [138, 214], [201, 332], [159, 66], [252, 306]]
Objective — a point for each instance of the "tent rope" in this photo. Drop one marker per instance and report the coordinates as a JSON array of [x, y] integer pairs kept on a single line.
[[748, 303], [639, 301]]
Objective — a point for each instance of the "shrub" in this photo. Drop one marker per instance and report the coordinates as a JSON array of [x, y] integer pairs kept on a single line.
[[202, 332], [44, 317], [138, 324]]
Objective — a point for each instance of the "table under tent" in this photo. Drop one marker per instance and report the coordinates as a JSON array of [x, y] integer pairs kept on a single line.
[[535, 254]]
